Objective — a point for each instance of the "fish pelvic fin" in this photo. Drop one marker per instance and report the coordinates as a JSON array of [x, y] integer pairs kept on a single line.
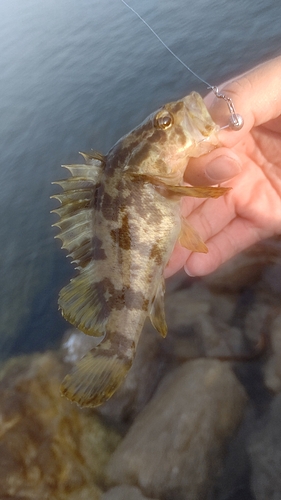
[[157, 311], [190, 239], [97, 376]]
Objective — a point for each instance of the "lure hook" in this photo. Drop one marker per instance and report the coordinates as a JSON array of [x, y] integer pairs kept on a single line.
[[236, 121]]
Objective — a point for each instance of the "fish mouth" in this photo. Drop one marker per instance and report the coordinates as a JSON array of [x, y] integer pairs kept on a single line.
[[199, 125]]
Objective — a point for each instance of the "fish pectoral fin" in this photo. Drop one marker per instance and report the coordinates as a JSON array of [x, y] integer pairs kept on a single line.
[[95, 377], [166, 189], [157, 311], [198, 191], [80, 303], [190, 239]]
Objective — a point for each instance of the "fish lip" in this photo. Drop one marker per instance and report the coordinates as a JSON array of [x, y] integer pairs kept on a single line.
[[198, 123]]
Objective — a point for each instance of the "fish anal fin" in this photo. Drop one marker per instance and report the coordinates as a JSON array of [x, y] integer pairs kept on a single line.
[[190, 239], [95, 378], [157, 311]]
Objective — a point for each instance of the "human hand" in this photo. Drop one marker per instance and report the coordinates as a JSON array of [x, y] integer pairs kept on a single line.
[[251, 211]]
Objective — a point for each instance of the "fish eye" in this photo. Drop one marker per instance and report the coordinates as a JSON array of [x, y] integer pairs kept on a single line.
[[163, 120]]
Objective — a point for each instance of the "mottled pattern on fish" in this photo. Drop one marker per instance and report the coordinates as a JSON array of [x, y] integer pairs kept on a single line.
[[119, 221]]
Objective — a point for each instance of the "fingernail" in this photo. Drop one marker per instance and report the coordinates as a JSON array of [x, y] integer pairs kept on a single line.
[[189, 273], [223, 168]]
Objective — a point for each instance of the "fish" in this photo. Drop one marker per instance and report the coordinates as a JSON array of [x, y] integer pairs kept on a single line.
[[120, 218]]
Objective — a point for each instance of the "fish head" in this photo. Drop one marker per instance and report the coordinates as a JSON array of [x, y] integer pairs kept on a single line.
[[162, 145]]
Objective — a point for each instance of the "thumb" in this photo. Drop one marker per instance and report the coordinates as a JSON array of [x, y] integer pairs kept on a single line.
[[213, 168]]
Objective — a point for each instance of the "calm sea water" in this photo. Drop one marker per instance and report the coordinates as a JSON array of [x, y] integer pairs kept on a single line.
[[78, 75]]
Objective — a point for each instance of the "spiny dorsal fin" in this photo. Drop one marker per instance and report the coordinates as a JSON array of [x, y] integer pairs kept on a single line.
[[93, 156], [76, 214], [157, 311]]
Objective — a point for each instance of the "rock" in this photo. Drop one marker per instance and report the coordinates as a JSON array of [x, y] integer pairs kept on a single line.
[[75, 344], [174, 448], [234, 482], [198, 325], [265, 454], [272, 369], [246, 268], [49, 449], [124, 493], [186, 305], [178, 281]]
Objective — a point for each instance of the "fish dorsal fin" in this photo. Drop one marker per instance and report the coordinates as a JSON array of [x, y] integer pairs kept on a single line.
[[157, 311], [92, 157], [76, 213]]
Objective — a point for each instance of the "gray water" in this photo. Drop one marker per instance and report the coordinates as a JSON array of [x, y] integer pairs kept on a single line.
[[76, 75]]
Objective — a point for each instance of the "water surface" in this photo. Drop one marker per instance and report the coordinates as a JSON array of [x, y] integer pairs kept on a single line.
[[78, 75]]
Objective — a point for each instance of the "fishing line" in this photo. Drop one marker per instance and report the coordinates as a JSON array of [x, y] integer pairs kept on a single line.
[[236, 121]]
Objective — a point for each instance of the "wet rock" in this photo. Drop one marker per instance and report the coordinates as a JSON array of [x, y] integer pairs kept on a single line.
[[175, 447], [49, 448], [265, 455], [124, 493]]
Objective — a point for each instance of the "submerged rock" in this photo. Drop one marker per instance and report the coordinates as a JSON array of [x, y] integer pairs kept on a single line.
[[175, 447], [49, 448]]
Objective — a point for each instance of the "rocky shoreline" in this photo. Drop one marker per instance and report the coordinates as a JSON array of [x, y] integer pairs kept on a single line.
[[198, 416]]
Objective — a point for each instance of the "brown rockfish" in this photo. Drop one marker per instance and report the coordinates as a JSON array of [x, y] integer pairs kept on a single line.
[[119, 220]]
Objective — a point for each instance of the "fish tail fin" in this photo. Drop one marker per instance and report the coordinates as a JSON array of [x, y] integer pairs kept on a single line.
[[97, 375]]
